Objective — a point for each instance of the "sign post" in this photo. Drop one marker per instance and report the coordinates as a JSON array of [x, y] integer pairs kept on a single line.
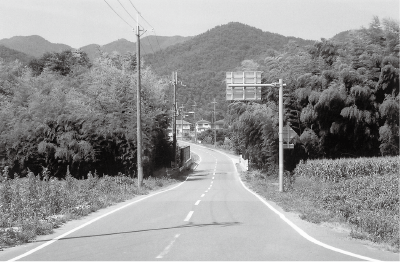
[[246, 86]]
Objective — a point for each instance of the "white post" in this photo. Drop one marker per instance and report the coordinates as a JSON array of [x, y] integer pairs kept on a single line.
[[280, 135]]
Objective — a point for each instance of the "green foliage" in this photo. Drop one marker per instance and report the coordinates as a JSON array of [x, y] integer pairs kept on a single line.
[[208, 135], [62, 63], [81, 116]]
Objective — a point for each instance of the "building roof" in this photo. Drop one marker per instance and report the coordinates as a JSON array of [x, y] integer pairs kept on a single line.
[[179, 122], [203, 122]]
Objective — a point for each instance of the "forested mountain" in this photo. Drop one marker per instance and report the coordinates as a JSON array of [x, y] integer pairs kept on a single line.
[[36, 45], [9, 55], [33, 45], [202, 61], [148, 44]]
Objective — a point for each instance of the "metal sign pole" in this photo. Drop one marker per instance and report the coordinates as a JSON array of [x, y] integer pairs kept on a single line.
[[280, 135]]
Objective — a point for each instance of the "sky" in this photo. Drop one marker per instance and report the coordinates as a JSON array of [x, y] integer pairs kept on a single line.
[[81, 22]]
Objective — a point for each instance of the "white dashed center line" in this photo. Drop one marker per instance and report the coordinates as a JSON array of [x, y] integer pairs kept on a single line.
[[197, 202], [166, 250], [189, 216], [202, 195]]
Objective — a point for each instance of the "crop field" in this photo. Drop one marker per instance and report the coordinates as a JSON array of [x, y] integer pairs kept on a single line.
[[363, 193], [36, 205]]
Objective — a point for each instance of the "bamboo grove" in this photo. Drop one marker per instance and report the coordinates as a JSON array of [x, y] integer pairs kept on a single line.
[[62, 110], [342, 98]]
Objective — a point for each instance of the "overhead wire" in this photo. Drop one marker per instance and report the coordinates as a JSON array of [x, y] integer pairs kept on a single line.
[[144, 19], [118, 14], [128, 12]]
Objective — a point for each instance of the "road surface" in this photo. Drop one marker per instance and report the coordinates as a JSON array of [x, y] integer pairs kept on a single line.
[[210, 216]]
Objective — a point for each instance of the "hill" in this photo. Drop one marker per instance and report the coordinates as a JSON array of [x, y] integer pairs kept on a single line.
[[344, 37], [33, 45], [148, 44], [10, 55], [201, 62]]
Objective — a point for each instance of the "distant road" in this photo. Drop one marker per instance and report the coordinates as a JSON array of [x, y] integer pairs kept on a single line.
[[210, 216]]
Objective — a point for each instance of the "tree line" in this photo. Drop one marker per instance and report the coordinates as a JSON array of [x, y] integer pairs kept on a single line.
[[62, 110], [342, 99]]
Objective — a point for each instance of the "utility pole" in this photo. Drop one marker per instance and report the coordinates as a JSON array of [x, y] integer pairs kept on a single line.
[[174, 81], [194, 118], [182, 115], [280, 135], [215, 131], [139, 109]]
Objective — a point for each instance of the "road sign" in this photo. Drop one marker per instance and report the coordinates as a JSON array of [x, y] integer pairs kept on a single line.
[[244, 92], [288, 134], [246, 77]]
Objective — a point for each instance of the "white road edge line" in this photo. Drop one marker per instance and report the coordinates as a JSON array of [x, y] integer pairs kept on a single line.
[[189, 216], [197, 202], [88, 223], [167, 248], [296, 228]]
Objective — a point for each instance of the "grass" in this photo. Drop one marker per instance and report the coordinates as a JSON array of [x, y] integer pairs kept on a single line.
[[370, 212], [36, 205]]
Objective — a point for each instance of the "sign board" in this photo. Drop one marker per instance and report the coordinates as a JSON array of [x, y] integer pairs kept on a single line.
[[288, 134], [246, 77], [244, 92]]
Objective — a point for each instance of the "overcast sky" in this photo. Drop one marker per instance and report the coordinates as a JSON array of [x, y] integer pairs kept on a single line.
[[82, 22]]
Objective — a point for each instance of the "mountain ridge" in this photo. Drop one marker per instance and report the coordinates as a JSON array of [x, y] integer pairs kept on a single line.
[[36, 46]]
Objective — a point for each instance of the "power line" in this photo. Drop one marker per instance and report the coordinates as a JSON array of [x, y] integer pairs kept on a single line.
[[127, 12], [159, 46], [118, 14]]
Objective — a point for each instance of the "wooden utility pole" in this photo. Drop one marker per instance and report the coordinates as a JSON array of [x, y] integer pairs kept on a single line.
[[139, 109], [194, 118], [174, 82], [182, 116], [215, 131]]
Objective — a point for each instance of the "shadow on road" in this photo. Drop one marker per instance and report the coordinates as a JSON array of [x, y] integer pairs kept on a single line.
[[188, 225]]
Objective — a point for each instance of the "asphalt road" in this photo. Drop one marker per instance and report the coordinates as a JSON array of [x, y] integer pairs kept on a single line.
[[210, 216]]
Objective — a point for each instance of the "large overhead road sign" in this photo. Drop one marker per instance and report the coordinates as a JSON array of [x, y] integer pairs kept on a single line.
[[243, 85], [243, 93], [246, 77]]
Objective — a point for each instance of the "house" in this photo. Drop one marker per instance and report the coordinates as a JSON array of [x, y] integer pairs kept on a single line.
[[202, 125], [185, 125], [219, 124]]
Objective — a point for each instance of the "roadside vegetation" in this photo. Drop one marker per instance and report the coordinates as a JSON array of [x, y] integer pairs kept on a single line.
[[65, 110], [36, 204], [362, 194]]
